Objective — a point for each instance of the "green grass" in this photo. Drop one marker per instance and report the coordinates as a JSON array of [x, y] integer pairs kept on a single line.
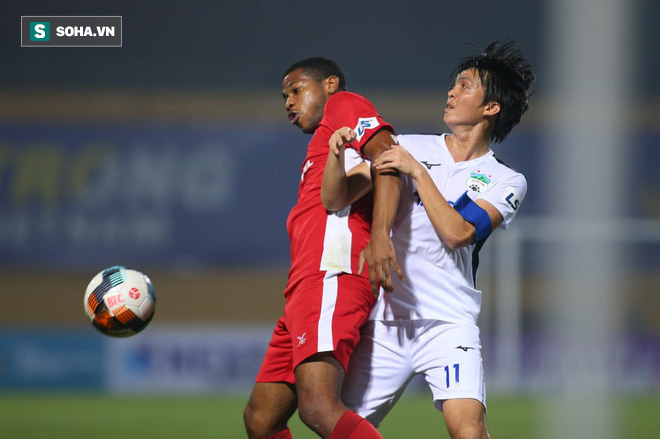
[[53, 416]]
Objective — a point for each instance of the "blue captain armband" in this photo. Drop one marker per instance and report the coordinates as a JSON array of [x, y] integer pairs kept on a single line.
[[477, 216]]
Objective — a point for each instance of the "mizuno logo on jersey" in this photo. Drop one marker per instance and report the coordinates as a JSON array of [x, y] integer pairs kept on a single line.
[[302, 339], [430, 165], [464, 348], [364, 124]]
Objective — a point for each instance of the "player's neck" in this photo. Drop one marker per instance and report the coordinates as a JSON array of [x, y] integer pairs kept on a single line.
[[467, 145]]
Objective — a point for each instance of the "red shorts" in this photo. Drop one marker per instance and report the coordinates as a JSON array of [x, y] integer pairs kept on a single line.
[[323, 314]]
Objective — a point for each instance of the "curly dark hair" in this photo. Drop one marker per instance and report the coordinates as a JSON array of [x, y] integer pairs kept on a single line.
[[320, 68], [507, 78]]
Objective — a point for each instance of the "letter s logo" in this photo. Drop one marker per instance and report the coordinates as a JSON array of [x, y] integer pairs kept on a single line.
[[514, 203], [363, 124], [512, 198], [39, 31]]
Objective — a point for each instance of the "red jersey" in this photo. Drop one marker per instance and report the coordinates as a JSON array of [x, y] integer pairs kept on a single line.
[[331, 241]]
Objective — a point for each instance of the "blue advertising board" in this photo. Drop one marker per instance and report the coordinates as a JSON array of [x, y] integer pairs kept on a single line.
[[49, 360], [225, 359], [80, 195]]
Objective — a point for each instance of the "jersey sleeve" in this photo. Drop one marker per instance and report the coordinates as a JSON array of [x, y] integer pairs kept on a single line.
[[345, 109], [506, 197], [352, 158]]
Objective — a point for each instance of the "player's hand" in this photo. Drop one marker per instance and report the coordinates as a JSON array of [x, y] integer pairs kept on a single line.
[[398, 158], [379, 256], [341, 138]]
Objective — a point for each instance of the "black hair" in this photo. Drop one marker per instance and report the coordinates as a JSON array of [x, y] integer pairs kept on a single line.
[[507, 78], [320, 68]]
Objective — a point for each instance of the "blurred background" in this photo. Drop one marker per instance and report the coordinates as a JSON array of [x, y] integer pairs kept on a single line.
[[173, 155]]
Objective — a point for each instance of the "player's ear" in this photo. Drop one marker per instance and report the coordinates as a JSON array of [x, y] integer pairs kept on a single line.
[[491, 108], [331, 84]]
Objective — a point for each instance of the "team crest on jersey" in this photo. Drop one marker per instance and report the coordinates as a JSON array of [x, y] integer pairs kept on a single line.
[[364, 124], [478, 180]]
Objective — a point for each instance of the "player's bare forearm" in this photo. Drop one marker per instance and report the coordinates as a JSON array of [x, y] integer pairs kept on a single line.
[[379, 254], [340, 189], [386, 182], [450, 226], [387, 189], [334, 187]]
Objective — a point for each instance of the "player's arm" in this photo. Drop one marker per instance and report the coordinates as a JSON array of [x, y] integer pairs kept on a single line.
[[457, 226], [339, 188], [379, 253]]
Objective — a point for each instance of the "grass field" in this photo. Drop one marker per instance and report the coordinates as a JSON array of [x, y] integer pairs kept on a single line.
[[29, 416]]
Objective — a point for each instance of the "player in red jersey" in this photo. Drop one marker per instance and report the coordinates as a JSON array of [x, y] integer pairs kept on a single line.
[[326, 301]]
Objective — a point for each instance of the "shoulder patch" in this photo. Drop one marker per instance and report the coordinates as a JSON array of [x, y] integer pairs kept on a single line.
[[364, 124], [512, 198]]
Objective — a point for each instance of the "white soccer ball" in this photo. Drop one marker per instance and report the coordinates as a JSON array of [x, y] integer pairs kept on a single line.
[[120, 301]]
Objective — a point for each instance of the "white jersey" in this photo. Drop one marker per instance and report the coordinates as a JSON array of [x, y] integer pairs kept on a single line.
[[440, 283]]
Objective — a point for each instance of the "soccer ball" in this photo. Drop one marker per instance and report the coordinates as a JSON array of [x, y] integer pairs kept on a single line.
[[120, 301]]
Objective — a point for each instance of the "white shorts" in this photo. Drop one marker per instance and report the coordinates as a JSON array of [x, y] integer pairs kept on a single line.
[[390, 353]]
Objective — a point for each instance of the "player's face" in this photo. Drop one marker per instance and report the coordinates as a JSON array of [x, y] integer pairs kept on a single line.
[[465, 100], [304, 100]]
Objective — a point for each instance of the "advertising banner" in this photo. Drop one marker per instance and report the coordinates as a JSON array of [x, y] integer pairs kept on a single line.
[[49, 360], [79, 195], [218, 359]]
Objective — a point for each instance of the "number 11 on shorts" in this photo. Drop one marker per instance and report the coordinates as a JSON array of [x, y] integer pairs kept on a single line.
[[448, 374]]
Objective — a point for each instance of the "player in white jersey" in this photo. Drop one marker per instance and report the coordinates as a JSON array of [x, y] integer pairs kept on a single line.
[[455, 194]]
